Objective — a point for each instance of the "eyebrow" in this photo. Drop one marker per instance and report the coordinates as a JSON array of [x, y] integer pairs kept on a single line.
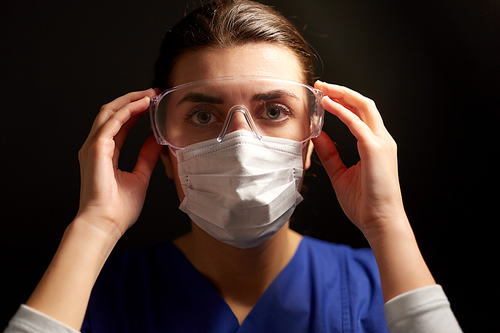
[[270, 95], [196, 97]]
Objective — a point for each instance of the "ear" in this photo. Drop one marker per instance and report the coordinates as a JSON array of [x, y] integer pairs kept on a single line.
[[167, 162], [310, 148]]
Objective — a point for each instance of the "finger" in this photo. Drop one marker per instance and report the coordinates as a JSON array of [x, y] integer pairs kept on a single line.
[[362, 106], [357, 126], [118, 120], [120, 137], [111, 108], [118, 125], [130, 97], [123, 132], [148, 156], [329, 157]]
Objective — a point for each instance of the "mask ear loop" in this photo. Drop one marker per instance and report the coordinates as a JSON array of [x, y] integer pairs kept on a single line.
[[229, 118]]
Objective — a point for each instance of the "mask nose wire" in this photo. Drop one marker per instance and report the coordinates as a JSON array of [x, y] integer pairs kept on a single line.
[[229, 118]]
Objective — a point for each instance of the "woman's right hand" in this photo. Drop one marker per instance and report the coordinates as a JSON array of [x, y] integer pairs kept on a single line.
[[110, 202], [112, 199]]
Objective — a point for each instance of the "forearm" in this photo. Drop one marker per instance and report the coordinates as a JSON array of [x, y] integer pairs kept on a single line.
[[64, 290], [401, 265]]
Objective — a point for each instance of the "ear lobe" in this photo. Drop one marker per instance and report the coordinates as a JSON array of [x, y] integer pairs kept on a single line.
[[167, 162], [310, 149]]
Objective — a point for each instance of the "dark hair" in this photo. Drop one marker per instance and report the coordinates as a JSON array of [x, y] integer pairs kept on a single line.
[[226, 23]]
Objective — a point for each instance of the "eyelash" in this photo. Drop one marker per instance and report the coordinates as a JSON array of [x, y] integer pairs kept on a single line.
[[198, 109], [281, 106], [266, 106]]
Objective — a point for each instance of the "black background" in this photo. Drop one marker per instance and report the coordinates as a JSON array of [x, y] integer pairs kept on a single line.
[[432, 68]]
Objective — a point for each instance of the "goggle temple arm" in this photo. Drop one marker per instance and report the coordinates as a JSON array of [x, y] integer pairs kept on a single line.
[[153, 109], [319, 116]]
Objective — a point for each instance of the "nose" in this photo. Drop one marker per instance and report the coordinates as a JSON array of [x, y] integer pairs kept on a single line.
[[238, 118]]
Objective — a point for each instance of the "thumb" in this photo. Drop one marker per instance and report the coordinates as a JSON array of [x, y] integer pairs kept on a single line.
[[329, 157], [148, 156]]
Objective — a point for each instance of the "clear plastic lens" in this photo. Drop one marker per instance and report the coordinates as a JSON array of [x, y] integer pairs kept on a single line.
[[209, 109]]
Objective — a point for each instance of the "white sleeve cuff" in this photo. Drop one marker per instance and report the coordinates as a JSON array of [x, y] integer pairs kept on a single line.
[[29, 320], [421, 310]]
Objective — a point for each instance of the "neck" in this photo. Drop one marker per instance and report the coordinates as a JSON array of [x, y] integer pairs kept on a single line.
[[240, 275]]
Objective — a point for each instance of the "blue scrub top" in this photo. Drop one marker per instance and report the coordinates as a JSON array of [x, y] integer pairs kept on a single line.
[[325, 287]]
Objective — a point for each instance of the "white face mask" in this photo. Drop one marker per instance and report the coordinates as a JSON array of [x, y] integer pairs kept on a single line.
[[243, 190]]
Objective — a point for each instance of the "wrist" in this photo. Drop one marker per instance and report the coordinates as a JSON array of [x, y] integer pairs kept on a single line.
[[64, 290], [401, 265], [387, 229], [96, 238]]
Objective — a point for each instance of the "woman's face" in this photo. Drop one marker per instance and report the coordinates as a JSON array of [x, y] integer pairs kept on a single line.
[[249, 59]]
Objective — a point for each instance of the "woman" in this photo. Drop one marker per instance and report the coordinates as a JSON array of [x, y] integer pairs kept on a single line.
[[233, 101]]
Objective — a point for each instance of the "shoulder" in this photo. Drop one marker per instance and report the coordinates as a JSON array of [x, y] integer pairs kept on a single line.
[[348, 279], [333, 251], [356, 268]]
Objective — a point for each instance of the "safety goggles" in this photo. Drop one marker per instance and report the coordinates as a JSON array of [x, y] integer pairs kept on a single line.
[[209, 109]]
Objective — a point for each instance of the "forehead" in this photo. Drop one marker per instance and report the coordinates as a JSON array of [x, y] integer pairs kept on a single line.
[[238, 90], [261, 59]]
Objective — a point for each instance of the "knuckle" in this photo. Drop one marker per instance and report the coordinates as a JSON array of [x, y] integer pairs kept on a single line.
[[104, 108], [102, 145], [370, 103], [98, 146], [394, 144]]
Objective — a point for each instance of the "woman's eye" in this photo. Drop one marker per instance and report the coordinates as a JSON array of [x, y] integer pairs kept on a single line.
[[276, 112], [201, 117]]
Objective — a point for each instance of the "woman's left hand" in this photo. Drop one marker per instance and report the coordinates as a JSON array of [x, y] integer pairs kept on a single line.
[[369, 191]]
